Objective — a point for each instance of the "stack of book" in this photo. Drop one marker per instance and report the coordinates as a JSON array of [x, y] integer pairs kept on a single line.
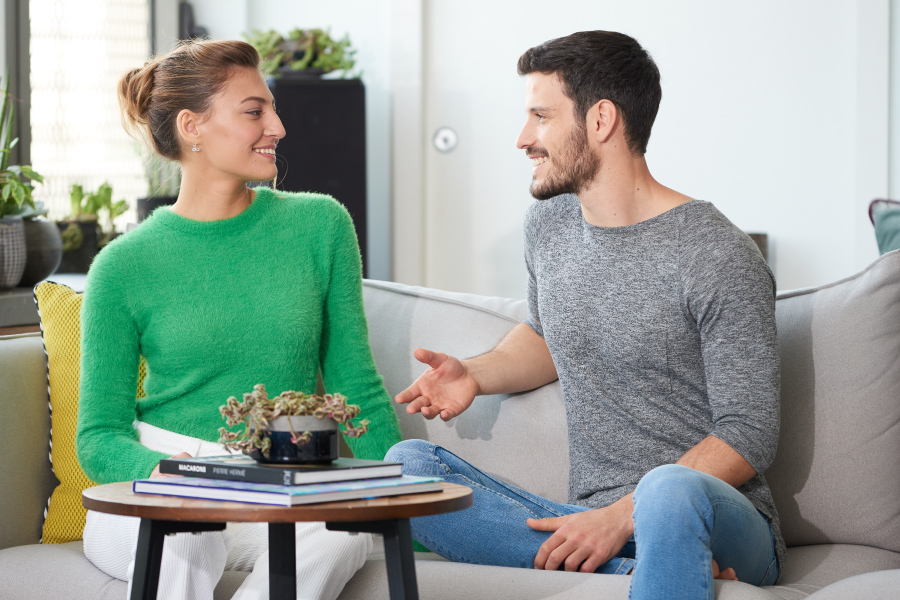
[[239, 478]]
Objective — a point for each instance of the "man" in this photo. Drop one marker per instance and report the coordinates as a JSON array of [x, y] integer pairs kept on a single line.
[[657, 316]]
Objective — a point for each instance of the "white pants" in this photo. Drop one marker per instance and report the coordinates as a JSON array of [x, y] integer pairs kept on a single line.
[[193, 563]]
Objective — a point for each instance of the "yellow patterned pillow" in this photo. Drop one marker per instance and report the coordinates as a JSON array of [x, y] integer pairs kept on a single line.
[[60, 311]]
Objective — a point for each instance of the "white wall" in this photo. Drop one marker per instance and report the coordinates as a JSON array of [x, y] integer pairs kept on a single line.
[[775, 111], [367, 22]]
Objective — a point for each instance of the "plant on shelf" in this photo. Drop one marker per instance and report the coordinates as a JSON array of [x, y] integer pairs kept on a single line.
[[302, 50], [90, 206], [16, 202], [257, 412], [16, 181]]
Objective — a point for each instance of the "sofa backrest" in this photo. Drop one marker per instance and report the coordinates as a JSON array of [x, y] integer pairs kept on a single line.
[[520, 438], [836, 476]]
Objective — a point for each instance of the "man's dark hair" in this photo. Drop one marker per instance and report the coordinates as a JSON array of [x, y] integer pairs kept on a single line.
[[603, 65]]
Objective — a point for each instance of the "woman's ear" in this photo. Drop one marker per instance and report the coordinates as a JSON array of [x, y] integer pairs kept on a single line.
[[186, 124]]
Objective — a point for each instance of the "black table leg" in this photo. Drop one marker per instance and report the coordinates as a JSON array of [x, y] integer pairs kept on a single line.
[[282, 561], [398, 552], [148, 556]]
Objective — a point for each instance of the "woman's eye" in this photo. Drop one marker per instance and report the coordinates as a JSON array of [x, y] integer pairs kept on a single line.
[[255, 113]]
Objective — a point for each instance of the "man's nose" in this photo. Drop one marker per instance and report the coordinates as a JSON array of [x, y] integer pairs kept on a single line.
[[525, 139]]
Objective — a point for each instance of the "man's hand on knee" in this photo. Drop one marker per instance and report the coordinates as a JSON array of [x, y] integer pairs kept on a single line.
[[584, 541]]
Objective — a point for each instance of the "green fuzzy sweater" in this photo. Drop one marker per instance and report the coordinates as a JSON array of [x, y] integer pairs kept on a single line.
[[270, 296]]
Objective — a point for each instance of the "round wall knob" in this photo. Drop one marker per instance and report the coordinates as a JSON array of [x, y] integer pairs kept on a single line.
[[445, 139]]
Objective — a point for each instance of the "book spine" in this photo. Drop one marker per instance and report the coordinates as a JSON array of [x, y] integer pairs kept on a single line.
[[189, 469]]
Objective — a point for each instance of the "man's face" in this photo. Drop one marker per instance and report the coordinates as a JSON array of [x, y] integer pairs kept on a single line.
[[555, 140]]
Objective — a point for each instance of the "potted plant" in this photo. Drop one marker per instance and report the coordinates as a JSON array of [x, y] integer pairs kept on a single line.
[[15, 199], [303, 53], [163, 184], [82, 233], [291, 428]]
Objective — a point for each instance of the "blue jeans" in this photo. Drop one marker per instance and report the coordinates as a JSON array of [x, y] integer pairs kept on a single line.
[[683, 519]]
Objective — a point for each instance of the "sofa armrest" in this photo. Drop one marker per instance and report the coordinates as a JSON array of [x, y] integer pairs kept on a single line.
[[26, 477]]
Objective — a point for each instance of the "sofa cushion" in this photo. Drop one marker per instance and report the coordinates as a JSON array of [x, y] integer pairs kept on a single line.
[[402, 318], [880, 585], [836, 476], [59, 308], [811, 568], [62, 571]]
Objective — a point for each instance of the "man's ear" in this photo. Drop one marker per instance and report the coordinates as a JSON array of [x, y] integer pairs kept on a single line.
[[186, 123], [602, 121]]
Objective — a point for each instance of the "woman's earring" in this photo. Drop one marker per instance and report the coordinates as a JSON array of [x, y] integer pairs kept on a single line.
[[195, 148]]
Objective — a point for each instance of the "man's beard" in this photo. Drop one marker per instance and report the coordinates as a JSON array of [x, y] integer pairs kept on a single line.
[[576, 167]]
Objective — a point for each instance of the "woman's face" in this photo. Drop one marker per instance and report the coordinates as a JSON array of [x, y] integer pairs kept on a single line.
[[238, 135]]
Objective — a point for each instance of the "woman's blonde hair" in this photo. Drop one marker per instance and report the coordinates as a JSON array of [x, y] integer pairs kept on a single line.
[[189, 77]]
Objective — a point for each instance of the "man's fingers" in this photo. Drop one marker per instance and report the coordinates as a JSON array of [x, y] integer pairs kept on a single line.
[[430, 412], [409, 394], [728, 574], [551, 544], [559, 556], [548, 524], [418, 404], [592, 563], [432, 359], [577, 558]]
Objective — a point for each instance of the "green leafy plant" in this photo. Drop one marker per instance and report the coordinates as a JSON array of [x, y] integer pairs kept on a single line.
[[302, 49], [15, 180], [257, 409], [89, 206]]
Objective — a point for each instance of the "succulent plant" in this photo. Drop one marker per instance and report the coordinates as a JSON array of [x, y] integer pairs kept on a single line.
[[256, 410], [302, 49]]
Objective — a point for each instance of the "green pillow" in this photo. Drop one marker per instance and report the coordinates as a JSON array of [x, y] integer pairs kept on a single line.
[[886, 218]]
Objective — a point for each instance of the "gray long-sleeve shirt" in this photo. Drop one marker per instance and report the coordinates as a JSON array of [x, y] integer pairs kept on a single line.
[[662, 334]]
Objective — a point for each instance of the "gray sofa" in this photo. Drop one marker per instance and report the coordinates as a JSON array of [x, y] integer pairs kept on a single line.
[[836, 479]]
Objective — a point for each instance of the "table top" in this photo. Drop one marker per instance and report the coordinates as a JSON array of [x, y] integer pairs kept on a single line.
[[119, 499]]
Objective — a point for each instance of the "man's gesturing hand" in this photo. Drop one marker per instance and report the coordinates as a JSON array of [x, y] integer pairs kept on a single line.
[[584, 541], [446, 389]]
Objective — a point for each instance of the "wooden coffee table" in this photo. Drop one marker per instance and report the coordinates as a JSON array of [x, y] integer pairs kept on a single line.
[[162, 515]]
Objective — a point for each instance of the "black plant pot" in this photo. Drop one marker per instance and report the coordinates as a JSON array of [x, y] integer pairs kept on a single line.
[[289, 74], [322, 448], [146, 206], [79, 259], [44, 250]]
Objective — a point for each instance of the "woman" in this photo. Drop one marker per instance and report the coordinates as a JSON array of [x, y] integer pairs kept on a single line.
[[228, 288]]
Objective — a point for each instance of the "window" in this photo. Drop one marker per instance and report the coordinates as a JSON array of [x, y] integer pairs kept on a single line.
[[79, 50]]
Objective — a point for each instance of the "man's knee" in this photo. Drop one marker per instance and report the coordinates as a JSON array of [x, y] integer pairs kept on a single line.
[[411, 453], [672, 488]]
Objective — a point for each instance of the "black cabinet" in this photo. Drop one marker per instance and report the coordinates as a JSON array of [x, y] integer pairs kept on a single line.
[[324, 149]]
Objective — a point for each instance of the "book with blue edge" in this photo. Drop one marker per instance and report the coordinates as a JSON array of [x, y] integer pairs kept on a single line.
[[239, 467], [285, 495]]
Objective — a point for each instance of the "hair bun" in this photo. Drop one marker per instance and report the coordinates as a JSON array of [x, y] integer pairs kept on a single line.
[[135, 93]]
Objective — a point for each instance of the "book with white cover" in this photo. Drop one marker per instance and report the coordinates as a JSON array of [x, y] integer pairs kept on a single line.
[[285, 495]]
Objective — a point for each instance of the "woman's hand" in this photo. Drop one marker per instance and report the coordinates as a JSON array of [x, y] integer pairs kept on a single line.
[[156, 472]]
